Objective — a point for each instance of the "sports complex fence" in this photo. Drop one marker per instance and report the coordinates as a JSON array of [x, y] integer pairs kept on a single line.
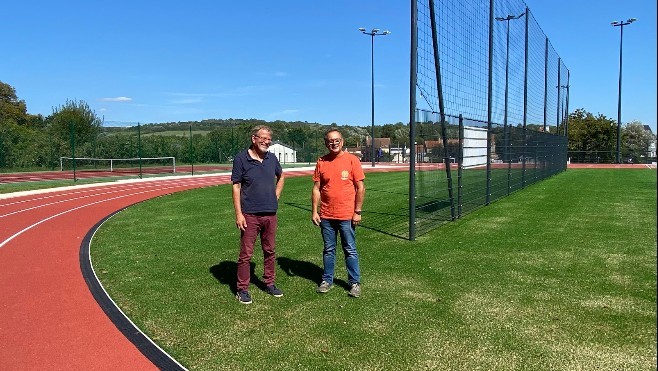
[[488, 90]]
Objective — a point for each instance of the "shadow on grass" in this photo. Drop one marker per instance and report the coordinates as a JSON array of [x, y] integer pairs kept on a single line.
[[307, 270], [226, 273], [306, 207], [386, 223], [434, 205]]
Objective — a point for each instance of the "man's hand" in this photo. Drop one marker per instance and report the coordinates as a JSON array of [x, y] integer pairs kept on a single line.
[[315, 218], [356, 219], [240, 222]]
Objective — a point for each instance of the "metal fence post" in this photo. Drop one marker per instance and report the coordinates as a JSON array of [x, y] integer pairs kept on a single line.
[[460, 167], [489, 100], [412, 121]]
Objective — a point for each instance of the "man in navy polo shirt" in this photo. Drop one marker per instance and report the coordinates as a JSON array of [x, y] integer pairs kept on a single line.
[[257, 184]]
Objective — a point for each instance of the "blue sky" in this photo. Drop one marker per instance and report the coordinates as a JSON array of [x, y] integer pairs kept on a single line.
[[142, 61]]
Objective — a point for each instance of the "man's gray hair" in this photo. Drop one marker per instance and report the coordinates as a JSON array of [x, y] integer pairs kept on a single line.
[[258, 128], [326, 134]]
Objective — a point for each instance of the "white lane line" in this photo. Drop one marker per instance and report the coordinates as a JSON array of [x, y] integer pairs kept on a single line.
[[97, 195], [121, 182], [113, 186], [116, 182], [74, 209]]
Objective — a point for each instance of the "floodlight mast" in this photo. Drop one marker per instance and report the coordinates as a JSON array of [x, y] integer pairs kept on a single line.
[[621, 25], [374, 32], [507, 19]]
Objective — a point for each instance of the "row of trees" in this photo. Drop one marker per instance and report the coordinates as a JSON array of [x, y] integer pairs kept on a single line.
[[594, 139], [35, 142], [31, 142]]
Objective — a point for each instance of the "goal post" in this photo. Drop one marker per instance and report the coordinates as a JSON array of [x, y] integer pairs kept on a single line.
[[124, 165]]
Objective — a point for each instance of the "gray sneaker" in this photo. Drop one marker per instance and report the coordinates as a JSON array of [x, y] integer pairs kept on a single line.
[[324, 287], [243, 297], [274, 291], [355, 291]]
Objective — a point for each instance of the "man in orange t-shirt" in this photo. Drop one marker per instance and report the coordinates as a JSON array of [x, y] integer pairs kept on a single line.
[[339, 191]]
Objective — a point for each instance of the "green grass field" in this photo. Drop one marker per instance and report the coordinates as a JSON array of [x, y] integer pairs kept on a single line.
[[559, 276]]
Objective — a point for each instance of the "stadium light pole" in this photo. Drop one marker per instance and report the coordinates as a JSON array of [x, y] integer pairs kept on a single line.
[[507, 19], [374, 32], [621, 25]]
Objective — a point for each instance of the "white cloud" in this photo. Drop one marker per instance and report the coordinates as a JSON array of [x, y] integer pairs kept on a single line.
[[116, 99]]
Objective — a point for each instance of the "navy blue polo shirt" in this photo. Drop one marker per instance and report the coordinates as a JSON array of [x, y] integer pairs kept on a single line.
[[257, 182]]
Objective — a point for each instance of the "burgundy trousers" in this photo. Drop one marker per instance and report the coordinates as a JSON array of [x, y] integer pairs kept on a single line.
[[265, 227]]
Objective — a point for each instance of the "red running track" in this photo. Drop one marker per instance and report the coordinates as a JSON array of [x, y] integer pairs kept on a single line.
[[49, 319]]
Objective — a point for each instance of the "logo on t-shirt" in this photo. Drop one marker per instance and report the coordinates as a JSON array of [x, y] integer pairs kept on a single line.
[[344, 175]]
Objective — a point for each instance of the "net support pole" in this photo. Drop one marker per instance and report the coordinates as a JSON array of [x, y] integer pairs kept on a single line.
[[412, 120], [460, 167], [566, 113], [191, 151], [544, 154], [559, 101], [442, 114], [72, 132], [489, 101], [525, 100], [139, 149]]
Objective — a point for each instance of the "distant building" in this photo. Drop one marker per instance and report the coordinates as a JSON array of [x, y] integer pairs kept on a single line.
[[383, 143], [433, 149], [284, 153], [356, 151], [399, 154]]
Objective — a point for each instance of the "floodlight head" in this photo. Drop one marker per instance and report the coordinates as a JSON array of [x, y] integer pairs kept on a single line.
[[375, 30], [631, 20], [362, 29], [501, 19], [614, 23], [387, 32]]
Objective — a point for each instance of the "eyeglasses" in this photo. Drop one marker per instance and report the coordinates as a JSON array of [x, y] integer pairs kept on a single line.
[[334, 141], [263, 139]]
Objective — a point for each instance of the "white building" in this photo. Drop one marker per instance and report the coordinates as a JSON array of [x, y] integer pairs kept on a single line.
[[284, 153]]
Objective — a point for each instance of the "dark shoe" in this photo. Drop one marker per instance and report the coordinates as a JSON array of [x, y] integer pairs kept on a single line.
[[355, 291], [243, 297], [324, 287], [274, 291]]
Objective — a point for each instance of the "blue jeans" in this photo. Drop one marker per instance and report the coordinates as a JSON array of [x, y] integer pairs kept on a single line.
[[330, 230]]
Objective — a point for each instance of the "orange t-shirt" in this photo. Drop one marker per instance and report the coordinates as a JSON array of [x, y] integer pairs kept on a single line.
[[338, 177]]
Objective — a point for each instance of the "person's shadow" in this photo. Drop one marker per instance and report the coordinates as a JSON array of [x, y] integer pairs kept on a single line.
[[226, 273], [306, 270]]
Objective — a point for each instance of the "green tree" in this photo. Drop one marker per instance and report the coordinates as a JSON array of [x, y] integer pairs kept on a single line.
[[591, 133], [22, 140], [635, 142], [76, 116], [11, 108]]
